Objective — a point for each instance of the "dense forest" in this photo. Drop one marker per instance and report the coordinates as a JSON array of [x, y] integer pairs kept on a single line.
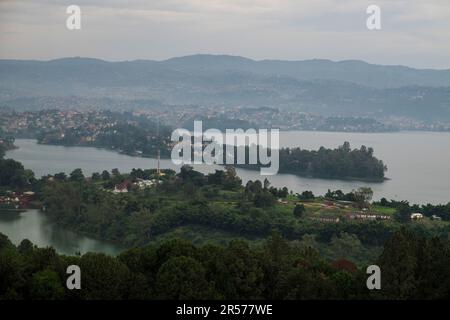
[[260, 242], [340, 163], [12, 173], [412, 267], [6, 143], [218, 208]]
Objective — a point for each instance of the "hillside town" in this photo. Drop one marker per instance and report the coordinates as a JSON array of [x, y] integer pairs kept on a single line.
[[78, 126]]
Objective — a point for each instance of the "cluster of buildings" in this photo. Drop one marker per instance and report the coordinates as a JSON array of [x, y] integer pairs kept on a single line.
[[419, 216], [87, 124], [368, 216], [127, 185], [17, 200], [295, 120], [56, 123], [353, 216], [326, 219], [263, 117]]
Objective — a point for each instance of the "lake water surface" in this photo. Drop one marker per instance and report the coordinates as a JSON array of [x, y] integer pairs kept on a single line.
[[36, 227], [418, 169], [418, 163]]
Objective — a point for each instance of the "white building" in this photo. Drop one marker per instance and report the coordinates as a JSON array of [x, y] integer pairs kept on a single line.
[[416, 216]]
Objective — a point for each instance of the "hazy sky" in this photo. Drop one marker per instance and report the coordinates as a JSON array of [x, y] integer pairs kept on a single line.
[[414, 32]]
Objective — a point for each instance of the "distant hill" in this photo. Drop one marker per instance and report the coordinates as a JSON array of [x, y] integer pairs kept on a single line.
[[359, 72], [318, 86]]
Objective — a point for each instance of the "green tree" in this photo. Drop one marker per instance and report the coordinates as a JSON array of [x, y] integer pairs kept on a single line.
[[398, 264], [25, 247], [13, 174], [346, 246], [264, 199], [299, 210], [432, 264], [77, 175], [105, 175], [403, 213], [46, 285], [276, 258], [96, 176], [11, 265], [241, 275], [363, 195], [182, 278], [104, 277], [306, 195], [60, 176]]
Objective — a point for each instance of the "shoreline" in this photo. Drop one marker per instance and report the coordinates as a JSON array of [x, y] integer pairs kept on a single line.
[[356, 179], [236, 166]]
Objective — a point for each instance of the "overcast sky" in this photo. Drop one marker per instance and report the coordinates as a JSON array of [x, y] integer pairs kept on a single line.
[[414, 32]]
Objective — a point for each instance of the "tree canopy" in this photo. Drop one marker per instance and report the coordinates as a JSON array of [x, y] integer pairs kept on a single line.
[[412, 267]]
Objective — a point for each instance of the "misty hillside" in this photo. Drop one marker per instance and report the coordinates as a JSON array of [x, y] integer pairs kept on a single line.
[[355, 71], [317, 86]]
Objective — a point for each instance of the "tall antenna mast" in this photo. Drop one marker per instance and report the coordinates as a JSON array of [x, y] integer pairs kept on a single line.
[[158, 171]]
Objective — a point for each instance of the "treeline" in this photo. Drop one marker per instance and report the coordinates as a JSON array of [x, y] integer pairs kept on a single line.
[[216, 201], [340, 163], [142, 139], [429, 210], [6, 143], [12, 173], [412, 267], [133, 135]]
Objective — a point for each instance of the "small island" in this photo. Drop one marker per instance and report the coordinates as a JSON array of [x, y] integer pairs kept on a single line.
[[340, 163]]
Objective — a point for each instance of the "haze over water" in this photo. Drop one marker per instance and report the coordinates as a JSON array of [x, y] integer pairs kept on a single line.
[[418, 163]]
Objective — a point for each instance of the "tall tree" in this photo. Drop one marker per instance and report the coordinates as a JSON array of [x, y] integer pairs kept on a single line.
[[398, 264]]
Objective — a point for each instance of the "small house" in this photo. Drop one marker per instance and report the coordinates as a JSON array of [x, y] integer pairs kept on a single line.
[[416, 216], [122, 187]]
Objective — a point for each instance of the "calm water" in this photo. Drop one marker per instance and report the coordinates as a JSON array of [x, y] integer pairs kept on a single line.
[[418, 166], [35, 226], [418, 163]]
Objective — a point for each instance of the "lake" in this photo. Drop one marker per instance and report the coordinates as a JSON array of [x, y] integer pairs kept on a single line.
[[418, 163], [418, 169], [36, 227]]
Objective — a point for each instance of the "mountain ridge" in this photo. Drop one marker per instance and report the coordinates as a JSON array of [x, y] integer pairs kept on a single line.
[[350, 87], [226, 56]]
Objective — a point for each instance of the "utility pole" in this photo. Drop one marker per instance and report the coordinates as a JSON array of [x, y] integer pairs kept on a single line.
[[158, 170]]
